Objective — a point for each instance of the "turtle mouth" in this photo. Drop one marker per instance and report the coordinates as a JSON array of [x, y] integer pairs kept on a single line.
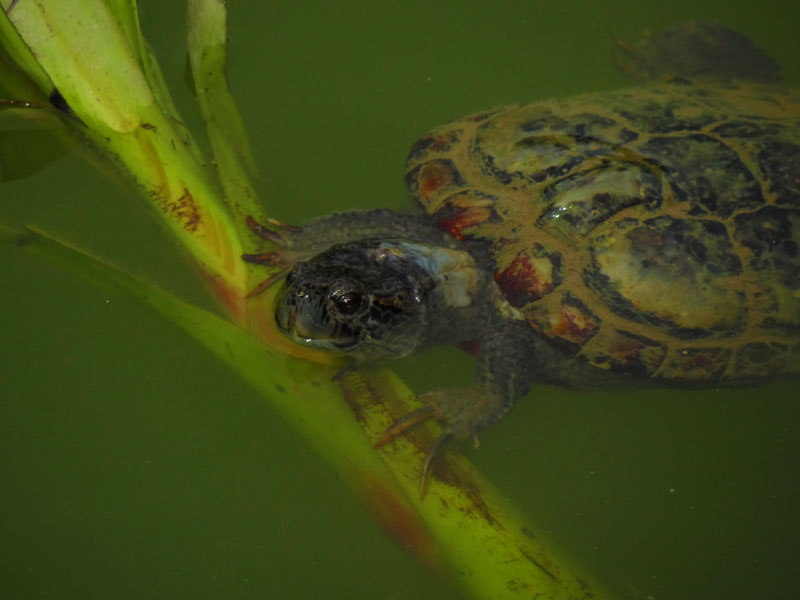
[[309, 324]]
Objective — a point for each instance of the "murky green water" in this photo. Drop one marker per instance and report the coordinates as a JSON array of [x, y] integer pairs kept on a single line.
[[134, 465]]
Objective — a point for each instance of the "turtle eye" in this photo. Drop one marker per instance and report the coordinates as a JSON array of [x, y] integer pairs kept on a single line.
[[347, 303]]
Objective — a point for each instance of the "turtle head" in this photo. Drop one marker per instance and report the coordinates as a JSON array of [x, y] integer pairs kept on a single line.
[[366, 299]]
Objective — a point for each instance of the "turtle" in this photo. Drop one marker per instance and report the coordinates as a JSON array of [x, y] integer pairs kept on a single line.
[[647, 236]]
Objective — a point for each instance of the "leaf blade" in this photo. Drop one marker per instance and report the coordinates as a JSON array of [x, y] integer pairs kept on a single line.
[[226, 131], [464, 525]]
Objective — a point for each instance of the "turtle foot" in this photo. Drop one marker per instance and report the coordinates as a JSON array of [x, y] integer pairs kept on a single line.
[[283, 258], [464, 411]]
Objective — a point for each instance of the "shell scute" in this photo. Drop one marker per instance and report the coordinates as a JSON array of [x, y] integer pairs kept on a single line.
[[433, 144], [466, 214], [579, 203], [664, 114], [434, 179], [533, 273], [534, 144], [625, 352], [648, 276], [699, 364], [569, 326], [772, 235], [780, 162], [705, 173], [757, 357]]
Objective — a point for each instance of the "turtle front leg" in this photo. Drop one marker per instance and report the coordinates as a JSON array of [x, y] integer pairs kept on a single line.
[[504, 373]]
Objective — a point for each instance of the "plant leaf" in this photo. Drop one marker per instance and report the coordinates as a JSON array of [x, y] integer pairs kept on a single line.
[[226, 131], [86, 53], [20, 54], [463, 525], [127, 15], [78, 44]]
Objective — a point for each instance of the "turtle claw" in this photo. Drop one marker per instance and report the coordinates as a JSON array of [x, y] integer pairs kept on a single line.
[[404, 423], [283, 258], [268, 282], [465, 411], [265, 258], [280, 233], [430, 461]]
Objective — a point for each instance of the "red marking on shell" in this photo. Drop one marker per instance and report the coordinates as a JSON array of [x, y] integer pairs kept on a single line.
[[522, 282], [441, 142], [433, 176], [461, 217], [625, 350], [574, 323], [571, 322], [632, 355], [471, 347]]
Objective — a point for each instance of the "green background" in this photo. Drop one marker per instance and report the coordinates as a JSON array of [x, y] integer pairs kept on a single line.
[[134, 465]]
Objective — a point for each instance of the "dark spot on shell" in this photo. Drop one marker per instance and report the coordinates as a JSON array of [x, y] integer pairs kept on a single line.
[[745, 129], [677, 80], [480, 117], [780, 327], [699, 364], [632, 354], [537, 141], [760, 359], [539, 177], [706, 173], [772, 234], [780, 162], [542, 123], [504, 177], [664, 117], [435, 143], [590, 125]]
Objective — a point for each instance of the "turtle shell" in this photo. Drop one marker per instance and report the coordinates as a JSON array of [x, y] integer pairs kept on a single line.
[[653, 231]]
